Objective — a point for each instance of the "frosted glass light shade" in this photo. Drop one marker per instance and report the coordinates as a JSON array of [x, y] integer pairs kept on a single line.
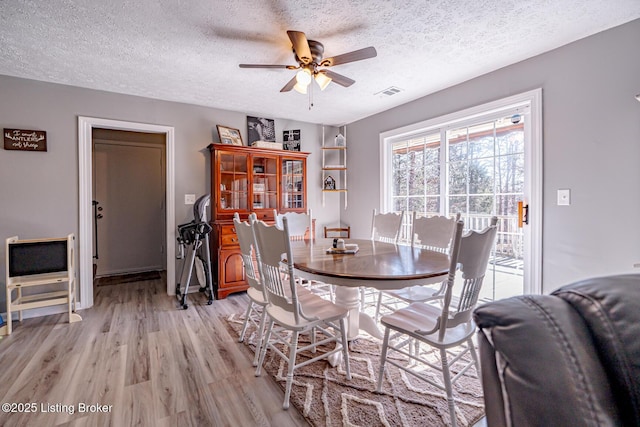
[[300, 88], [323, 80], [303, 77]]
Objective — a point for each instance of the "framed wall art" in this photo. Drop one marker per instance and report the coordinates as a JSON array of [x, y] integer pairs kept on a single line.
[[291, 140], [229, 135], [261, 129]]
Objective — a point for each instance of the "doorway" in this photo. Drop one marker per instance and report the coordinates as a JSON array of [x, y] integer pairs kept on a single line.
[[128, 199], [86, 214]]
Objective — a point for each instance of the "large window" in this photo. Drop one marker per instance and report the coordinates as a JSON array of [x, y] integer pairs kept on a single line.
[[479, 163], [480, 174]]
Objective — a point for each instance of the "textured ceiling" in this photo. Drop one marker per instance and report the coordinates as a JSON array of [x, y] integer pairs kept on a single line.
[[189, 50]]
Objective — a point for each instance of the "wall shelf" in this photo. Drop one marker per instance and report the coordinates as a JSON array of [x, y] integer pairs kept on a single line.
[[334, 159]]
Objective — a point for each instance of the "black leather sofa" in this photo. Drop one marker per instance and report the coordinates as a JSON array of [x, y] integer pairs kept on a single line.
[[571, 358]]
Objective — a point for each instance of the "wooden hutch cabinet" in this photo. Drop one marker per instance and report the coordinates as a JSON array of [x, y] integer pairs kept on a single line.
[[245, 180]]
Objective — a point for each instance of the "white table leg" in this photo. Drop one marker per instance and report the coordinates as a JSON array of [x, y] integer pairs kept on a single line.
[[368, 324], [349, 298]]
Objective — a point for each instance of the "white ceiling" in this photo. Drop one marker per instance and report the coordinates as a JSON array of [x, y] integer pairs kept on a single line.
[[189, 50]]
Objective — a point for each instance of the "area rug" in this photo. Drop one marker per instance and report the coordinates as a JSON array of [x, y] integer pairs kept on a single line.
[[326, 398], [127, 278]]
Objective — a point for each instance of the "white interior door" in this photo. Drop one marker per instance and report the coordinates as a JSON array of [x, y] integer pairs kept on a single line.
[[129, 187]]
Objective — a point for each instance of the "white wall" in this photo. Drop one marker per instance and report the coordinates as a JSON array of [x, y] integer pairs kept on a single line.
[[39, 190], [591, 136]]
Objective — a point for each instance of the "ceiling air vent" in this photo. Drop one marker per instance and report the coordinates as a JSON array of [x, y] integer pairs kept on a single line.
[[392, 90]]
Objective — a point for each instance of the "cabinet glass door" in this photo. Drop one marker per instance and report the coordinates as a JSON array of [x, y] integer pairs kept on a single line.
[[264, 191], [293, 185], [234, 188]]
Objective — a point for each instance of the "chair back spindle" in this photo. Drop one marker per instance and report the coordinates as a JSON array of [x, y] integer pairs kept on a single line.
[[453, 263]]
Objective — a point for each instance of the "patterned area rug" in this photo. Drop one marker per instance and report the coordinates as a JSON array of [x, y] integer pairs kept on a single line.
[[326, 398]]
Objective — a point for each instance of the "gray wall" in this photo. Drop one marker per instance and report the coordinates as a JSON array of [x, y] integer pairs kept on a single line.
[[591, 140], [591, 145], [39, 190]]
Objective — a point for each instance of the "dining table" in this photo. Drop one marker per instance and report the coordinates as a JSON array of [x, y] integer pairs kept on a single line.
[[378, 265]]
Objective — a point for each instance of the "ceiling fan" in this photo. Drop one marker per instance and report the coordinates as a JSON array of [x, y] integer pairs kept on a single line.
[[308, 55]]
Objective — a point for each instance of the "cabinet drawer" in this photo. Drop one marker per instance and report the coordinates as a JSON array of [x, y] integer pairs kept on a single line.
[[229, 240], [227, 229], [265, 216], [228, 235]]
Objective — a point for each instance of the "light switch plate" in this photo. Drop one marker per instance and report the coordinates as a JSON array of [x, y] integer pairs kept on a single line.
[[189, 199], [564, 197]]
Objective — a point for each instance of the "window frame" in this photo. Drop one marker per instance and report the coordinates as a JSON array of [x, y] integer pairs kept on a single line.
[[528, 104]]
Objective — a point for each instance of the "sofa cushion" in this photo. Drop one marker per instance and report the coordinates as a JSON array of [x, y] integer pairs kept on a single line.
[[610, 306], [546, 363]]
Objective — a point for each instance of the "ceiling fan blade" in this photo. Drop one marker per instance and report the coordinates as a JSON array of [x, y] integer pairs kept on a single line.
[[288, 67], [338, 78], [290, 84], [300, 46], [356, 55]]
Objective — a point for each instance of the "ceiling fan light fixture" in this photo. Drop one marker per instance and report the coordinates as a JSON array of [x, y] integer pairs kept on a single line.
[[300, 88], [323, 80], [303, 77]]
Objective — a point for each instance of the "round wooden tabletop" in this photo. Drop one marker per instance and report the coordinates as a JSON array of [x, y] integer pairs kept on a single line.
[[376, 264]]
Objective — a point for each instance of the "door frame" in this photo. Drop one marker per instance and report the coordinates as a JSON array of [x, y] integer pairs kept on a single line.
[[85, 196], [533, 172]]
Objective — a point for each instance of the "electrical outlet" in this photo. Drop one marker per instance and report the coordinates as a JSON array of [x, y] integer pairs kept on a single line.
[[564, 197], [189, 199]]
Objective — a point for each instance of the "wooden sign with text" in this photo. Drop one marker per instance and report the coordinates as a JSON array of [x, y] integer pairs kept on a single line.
[[25, 140]]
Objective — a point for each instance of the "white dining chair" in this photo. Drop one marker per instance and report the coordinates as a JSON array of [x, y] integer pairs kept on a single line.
[[448, 328], [385, 227], [300, 224], [434, 233], [255, 313], [289, 315], [301, 228]]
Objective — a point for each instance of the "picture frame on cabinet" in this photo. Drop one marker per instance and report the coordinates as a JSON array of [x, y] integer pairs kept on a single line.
[[229, 135], [291, 140], [261, 129]]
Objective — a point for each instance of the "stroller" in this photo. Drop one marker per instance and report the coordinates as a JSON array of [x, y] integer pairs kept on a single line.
[[193, 238]]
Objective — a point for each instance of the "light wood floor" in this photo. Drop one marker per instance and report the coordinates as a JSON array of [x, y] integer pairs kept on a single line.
[[156, 365]]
